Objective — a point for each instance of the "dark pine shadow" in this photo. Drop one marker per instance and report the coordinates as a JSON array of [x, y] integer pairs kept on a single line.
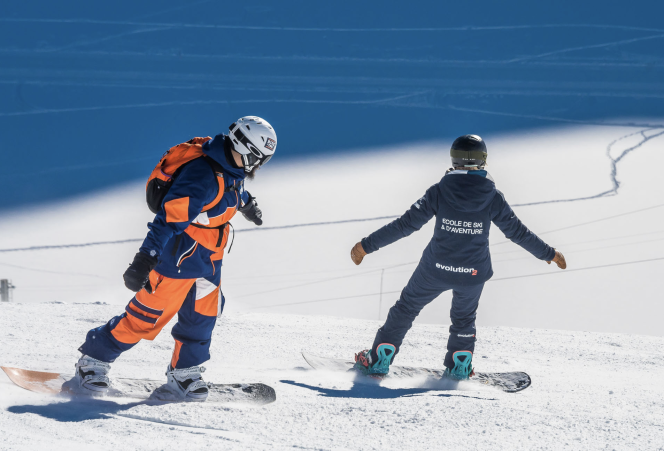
[[375, 391], [75, 410]]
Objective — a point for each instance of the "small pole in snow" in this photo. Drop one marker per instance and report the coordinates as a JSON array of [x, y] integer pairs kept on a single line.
[[6, 288], [380, 301]]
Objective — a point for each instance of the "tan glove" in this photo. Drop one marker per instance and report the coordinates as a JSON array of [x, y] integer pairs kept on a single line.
[[357, 253], [559, 260]]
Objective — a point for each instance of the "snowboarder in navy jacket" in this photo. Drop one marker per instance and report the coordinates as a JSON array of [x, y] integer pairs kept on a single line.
[[465, 203]]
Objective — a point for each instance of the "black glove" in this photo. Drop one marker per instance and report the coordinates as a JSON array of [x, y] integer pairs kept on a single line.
[[251, 211], [137, 276]]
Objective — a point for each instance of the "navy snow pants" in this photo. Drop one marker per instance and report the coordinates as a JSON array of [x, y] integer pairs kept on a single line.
[[422, 288]]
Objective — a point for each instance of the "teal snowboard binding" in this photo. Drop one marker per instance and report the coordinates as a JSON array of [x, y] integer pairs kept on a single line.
[[463, 368], [378, 369]]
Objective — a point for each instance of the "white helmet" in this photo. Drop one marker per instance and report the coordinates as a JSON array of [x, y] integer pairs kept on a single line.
[[255, 139]]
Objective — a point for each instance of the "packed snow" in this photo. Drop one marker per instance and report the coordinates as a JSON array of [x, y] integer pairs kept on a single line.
[[590, 337], [590, 390]]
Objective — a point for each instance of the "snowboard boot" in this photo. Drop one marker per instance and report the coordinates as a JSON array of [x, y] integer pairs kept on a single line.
[[188, 382], [92, 375], [378, 369], [463, 368]]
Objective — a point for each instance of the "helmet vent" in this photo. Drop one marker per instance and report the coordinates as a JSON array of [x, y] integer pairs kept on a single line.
[[248, 128]]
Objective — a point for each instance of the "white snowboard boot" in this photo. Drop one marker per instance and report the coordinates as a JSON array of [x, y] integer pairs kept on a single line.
[[92, 375], [188, 382]]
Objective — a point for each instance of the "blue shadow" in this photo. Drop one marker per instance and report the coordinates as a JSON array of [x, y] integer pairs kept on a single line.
[[375, 391], [91, 97], [75, 410]]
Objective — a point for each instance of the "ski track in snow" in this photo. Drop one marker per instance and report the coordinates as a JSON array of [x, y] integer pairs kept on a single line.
[[584, 47], [209, 102], [189, 5], [584, 393], [613, 175], [157, 28], [232, 436], [43, 270], [528, 60], [322, 29], [552, 118], [349, 88]]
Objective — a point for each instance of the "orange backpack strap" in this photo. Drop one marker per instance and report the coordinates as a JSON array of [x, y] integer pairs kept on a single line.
[[171, 163], [219, 176]]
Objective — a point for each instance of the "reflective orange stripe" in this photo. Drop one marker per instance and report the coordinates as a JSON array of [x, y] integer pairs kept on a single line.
[[220, 192], [176, 353]]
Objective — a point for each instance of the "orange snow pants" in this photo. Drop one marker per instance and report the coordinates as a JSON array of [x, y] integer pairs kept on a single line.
[[198, 303]]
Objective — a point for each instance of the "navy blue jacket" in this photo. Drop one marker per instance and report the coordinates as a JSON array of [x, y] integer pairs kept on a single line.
[[464, 203], [189, 257]]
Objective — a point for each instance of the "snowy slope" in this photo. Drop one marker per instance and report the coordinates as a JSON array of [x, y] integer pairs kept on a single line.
[[366, 100], [284, 270], [590, 390]]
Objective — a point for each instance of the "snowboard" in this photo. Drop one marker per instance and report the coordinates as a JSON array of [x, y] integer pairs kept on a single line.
[[508, 382], [150, 390]]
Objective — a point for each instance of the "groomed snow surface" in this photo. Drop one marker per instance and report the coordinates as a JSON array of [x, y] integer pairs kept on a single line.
[[590, 390], [597, 389]]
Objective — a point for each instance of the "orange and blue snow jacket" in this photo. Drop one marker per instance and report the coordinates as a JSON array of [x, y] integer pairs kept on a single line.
[[190, 232]]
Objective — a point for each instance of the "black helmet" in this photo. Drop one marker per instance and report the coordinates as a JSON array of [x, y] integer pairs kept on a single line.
[[468, 150]]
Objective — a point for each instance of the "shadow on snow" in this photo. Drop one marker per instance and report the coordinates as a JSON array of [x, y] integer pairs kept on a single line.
[[375, 391], [75, 410]]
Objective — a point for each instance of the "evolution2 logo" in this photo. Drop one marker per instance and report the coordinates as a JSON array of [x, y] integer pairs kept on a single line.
[[471, 271], [270, 143]]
